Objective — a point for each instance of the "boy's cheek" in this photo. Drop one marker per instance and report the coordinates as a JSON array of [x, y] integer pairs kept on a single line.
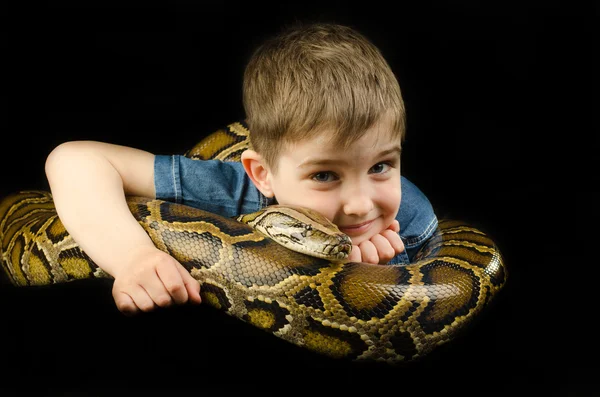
[[390, 195]]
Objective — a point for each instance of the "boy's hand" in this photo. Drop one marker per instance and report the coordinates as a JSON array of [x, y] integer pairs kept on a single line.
[[379, 249], [152, 278]]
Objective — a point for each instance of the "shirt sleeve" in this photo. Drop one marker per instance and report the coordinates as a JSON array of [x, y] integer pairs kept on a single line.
[[417, 221], [216, 186]]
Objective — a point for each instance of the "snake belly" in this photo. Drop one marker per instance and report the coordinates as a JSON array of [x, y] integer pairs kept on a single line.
[[354, 311]]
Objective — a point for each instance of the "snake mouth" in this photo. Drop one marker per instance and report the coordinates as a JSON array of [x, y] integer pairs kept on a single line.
[[338, 247], [340, 251]]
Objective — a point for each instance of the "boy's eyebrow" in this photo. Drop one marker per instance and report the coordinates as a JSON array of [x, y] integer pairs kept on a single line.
[[394, 149], [326, 161]]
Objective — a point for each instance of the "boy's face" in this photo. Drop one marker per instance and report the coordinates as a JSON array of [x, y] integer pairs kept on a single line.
[[358, 189]]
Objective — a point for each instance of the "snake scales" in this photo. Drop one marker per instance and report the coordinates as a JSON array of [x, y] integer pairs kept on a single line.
[[353, 311]]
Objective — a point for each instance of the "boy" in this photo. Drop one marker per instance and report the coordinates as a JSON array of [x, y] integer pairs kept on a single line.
[[327, 120]]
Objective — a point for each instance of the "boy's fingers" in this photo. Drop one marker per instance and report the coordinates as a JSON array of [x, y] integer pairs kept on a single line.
[[395, 226], [172, 288], [355, 255], [191, 284], [125, 304], [384, 248], [369, 252], [142, 299], [394, 240], [133, 301]]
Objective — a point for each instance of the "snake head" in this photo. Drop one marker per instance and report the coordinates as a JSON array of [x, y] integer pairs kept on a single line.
[[302, 230]]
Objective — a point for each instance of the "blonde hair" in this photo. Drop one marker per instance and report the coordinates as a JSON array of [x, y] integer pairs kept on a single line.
[[318, 77]]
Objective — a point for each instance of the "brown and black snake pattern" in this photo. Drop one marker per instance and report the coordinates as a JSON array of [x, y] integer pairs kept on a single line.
[[353, 311]]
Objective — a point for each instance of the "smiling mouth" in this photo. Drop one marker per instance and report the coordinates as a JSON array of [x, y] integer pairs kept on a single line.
[[358, 228]]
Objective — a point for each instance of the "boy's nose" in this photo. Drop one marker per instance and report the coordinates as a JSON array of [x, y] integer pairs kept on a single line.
[[358, 204]]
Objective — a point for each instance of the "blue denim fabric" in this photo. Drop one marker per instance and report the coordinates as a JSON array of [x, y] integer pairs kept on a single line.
[[224, 188]]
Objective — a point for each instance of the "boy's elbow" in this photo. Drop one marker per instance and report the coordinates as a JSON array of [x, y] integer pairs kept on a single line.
[[65, 156], [101, 163], [56, 156]]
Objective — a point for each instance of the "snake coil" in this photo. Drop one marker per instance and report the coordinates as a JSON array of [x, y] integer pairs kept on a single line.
[[354, 311]]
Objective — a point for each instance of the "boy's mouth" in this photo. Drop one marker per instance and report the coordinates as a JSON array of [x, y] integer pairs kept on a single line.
[[354, 230]]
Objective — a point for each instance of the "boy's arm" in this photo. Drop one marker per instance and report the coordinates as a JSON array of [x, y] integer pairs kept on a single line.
[[89, 181]]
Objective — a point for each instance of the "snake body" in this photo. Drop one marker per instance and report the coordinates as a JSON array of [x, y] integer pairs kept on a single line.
[[354, 311]]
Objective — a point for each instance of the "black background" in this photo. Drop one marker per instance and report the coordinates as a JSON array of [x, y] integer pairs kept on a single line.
[[498, 99]]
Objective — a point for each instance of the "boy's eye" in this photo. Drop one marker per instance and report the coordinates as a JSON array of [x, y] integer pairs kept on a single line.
[[379, 168], [324, 176]]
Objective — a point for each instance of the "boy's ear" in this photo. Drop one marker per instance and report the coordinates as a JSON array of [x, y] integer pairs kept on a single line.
[[258, 171]]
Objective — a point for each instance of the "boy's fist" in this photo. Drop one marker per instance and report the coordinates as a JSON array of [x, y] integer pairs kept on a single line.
[[379, 249], [151, 278]]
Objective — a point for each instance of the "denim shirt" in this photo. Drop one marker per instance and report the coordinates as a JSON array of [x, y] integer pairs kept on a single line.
[[224, 188]]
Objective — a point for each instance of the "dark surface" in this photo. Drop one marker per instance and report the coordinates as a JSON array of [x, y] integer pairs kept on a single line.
[[497, 97]]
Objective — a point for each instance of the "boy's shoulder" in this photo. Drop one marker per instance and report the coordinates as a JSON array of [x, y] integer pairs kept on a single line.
[[217, 186], [411, 192], [416, 215]]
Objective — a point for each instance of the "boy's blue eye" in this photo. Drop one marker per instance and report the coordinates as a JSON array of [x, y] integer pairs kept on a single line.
[[324, 176], [379, 168]]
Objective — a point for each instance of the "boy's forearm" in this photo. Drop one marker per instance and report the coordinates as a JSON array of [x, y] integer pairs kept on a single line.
[[90, 201]]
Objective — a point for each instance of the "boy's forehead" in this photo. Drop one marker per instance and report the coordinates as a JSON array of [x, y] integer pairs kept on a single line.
[[322, 150], [327, 140]]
